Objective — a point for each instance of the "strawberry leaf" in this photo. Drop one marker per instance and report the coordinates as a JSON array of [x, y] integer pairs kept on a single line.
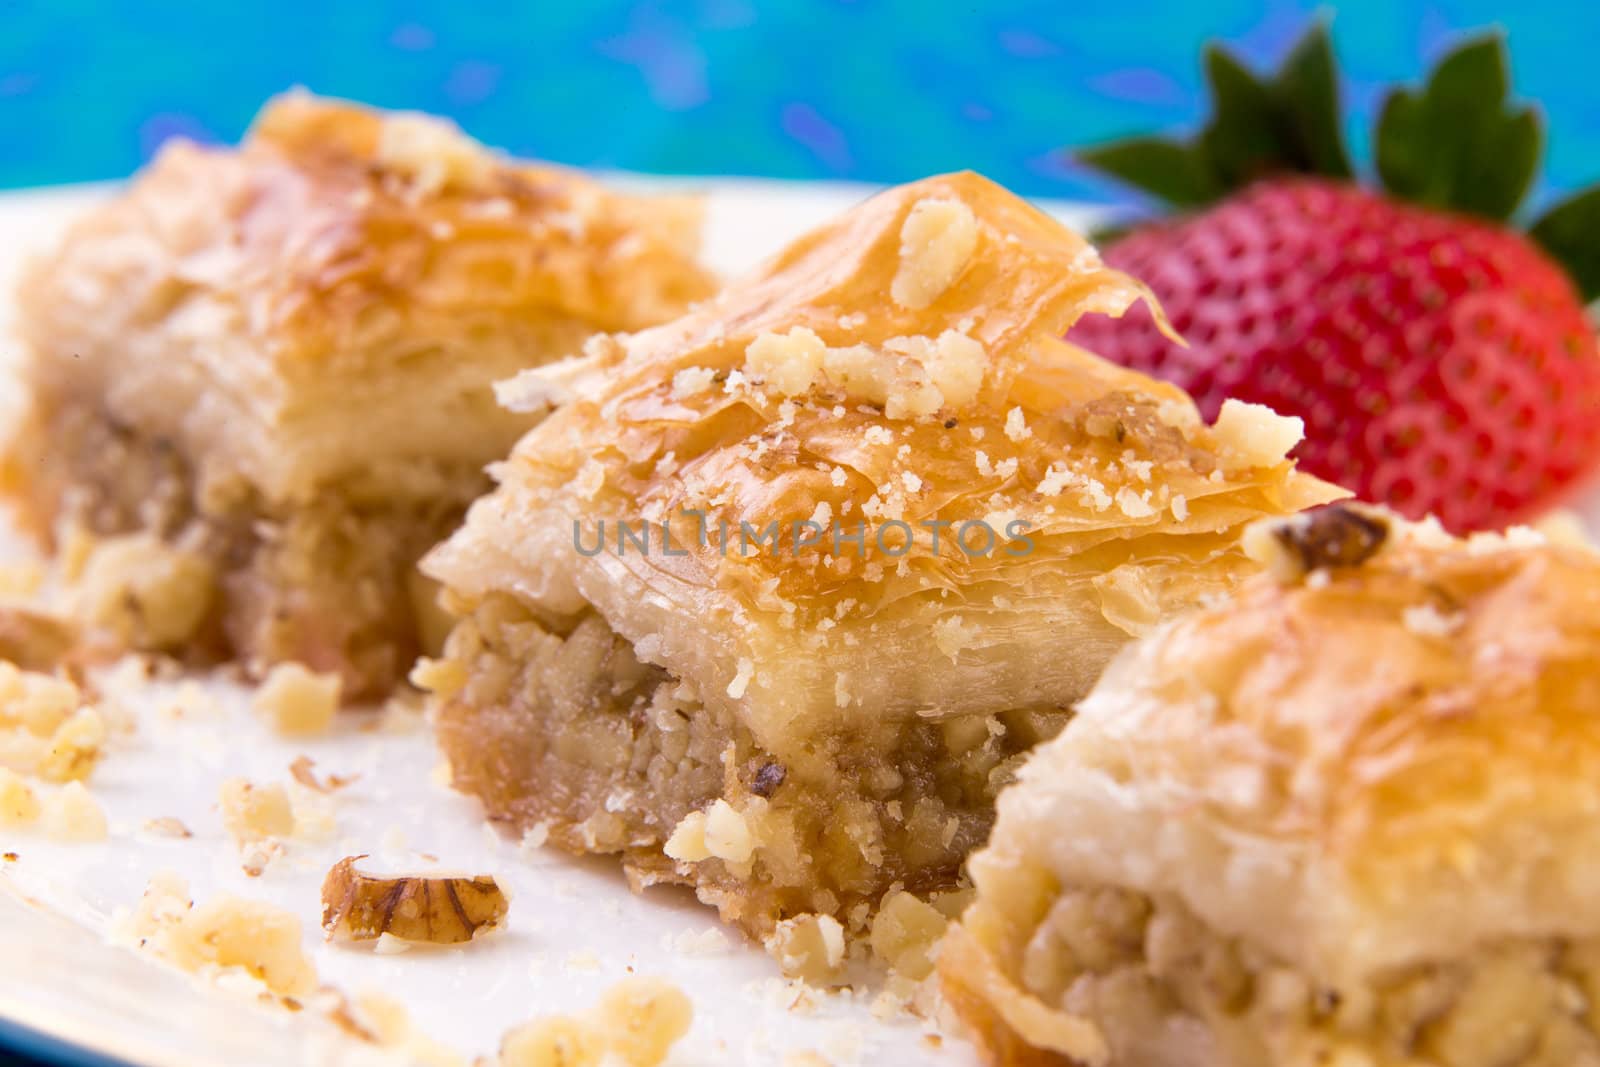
[[1169, 170], [1453, 144], [1308, 85], [1567, 232], [1258, 127], [1243, 140]]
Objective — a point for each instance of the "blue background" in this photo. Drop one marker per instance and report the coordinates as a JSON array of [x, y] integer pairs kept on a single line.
[[878, 90]]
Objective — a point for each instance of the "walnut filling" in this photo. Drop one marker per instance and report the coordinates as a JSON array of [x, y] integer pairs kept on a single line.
[[329, 584], [559, 726], [1164, 988]]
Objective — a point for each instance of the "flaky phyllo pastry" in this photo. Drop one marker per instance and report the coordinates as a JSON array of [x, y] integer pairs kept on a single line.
[[1347, 817], [797, 722], [276, 360]]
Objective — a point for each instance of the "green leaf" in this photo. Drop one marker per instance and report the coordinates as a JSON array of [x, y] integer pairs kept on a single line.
[[1308, 87], [1169, 170], [1454, 145], [1243, 140], [1401, 150], [1289, 123], [1568, 232], [1496, 175]]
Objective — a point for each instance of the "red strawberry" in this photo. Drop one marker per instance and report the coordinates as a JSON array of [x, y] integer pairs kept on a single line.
[[1441, 360]]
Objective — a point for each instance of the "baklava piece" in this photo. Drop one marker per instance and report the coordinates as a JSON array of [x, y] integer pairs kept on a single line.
[[1347, 818], [815, 701], [265, 372]]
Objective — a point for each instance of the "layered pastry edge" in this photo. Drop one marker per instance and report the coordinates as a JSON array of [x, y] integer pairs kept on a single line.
[[274, 364], [798, 737], [1343, 818]]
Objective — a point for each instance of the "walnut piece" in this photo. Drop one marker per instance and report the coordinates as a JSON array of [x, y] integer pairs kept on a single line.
[[167, 826], [34, 640], [45, 728], [636, 1023], [302, 770], [147, 593], [1328, 538], [440, 910], [297, 700], [252, 813], [19, 806], [809, 947], [71, 814], [1253, 435], [226, 932], [904, 934], [936, 244]]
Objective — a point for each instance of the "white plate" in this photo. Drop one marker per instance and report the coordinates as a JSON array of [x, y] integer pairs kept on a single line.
[[574, 927]]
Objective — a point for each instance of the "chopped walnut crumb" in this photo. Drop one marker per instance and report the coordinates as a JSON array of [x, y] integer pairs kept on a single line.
[[1017, 426], [147, 593], [18, 804], [253, 813], [554, 1041], [636, 1022], [442, 677], [227, 932], [44, 728], [1253, 435], [692, 381], [71, 814], [719, 832], [937, 240], [302, 771], [808, 947], [262, 939], [167, 826], [297, 700], [1336, 536], [382, 1020], [910, 377], [788, 363], [35, 639], [435, 909], [643, 1018], [904, 935], [432, 152], [741, 679]]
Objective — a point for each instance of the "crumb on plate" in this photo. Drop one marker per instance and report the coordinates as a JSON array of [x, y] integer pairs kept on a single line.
[[146, 593], [72, 814], [225, 933], [298, 701], [636, 1022], [253, 813], [19, 806], [810, 947]]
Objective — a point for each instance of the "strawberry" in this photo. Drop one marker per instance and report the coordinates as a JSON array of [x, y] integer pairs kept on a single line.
[[1442, 360]]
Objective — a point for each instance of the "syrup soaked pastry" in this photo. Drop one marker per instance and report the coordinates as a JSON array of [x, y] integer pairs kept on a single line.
[[278, 360], [1346, 817], [797, 698]]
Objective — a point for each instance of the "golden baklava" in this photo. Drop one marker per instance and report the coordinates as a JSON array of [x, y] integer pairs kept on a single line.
[[276, 361], [775, 599], [1350, 817]]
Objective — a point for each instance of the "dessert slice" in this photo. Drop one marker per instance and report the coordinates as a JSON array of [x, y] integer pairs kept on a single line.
[[775, 599], [276, 360], [1348, 817]]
